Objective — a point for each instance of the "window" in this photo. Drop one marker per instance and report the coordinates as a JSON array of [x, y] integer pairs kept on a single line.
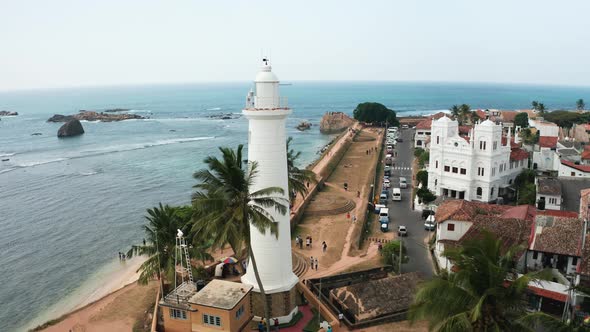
[[493, 171], [463, 171], [450, 227], [484, 145], [480, 171], [447, 168], [573, 174], [420, 133], [479, 192], [435, 182], [495, 145], [240, 312], [492, 192], [574, 260], [455, 170], [481, 145], [419, 142], [436, 164], [211, 320], [437, 140], [535, 255], [177, 314]]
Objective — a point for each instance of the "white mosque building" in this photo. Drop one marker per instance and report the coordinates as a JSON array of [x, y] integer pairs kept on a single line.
[[477, 167]]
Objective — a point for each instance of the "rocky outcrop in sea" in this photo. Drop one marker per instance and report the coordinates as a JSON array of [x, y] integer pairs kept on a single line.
[[224, 116], [304, 125], [71, 128], [335, 122], [94, 116], [8, 113]]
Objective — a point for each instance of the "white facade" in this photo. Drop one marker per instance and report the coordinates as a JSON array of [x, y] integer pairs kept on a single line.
[[267, 113], [451, 230], [549, 129], [552, 202], [546, 159], [421, 137], [474, 170], [580, 171]]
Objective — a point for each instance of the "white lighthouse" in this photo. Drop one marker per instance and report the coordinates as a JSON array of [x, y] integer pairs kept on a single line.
[[267, 113]]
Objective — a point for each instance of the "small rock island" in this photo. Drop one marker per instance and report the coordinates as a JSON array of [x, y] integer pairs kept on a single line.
[[8, 113], [94, 116], [335, 122], [71, 128]]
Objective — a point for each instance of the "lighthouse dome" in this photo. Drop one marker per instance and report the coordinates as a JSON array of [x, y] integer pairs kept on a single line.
[[265, 74]]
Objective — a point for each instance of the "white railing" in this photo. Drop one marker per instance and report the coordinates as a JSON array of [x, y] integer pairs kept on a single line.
[[267, 103]]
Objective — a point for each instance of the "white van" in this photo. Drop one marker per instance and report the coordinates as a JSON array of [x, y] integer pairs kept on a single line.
[[403, 183], [384, 212], [397, 194]]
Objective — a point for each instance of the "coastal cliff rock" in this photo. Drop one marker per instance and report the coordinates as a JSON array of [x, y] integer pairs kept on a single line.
[[8, 113], [71, 128], [335, 122], [94, 116]]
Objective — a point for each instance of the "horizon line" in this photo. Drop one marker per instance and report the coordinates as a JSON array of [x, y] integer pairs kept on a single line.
[[124, 85]]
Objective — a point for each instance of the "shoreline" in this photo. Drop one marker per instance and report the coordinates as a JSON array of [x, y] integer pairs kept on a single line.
[[87, 294]]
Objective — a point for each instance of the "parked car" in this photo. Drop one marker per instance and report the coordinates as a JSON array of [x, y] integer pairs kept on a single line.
[[426, 213], [399, 139], [405, 126], [378, 208], [386, 192], [384, 223], [430, 223], [397, 194], [402, 231], [386, 183], [382, 199]]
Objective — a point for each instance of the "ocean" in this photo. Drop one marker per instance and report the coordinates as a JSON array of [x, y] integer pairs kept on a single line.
[[68, 206]]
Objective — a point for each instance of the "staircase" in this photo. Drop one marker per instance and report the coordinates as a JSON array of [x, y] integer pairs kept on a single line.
[[349, 206], [299, 264]]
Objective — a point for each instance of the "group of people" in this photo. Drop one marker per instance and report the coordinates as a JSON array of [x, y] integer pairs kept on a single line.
[[122, 256], [262, 324], [313, 262], [371, 150], [299, 241]]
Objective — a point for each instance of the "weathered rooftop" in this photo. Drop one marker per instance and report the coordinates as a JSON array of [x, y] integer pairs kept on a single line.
[[557, 235], [379, 297], [221, 294], [548, 186], [584, 268]]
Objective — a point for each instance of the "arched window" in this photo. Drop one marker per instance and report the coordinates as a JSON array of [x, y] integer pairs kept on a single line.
[[479, 191], [492, 192], [510, 181], [435, 182]]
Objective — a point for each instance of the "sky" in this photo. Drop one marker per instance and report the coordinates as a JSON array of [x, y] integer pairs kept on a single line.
[[67, 43]]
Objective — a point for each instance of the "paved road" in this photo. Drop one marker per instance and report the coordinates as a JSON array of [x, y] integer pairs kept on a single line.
[[401, 213]]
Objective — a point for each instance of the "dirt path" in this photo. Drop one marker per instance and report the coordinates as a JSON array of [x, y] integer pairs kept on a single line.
[[338, 230]]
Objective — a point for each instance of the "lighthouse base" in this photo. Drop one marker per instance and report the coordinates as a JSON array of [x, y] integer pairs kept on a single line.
[[282, 305]]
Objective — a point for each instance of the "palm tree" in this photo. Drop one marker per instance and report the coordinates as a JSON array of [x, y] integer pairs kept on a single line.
[[541, 108], [298, 178], [464, 111], [226, 206], [580, 105], [535, 104], [484, 294], [455, 111], [159, 245]]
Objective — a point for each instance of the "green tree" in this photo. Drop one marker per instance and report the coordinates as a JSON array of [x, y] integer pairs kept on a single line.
[[424, 157], [521, 119], [391, 253], [425, 195], [418, 152], [580, 105], [226, 206], [375, 113], [465, 111], [477, 297], [160, 240], [298, 178], [455, 111], [535, 104], [541, 109], [422, 177], [527, 194], [526, 176], [566, 118]]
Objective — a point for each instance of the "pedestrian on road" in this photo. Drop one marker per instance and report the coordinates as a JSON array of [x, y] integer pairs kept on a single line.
[[311, 261], [297, 239], [354, 218], [308, 242], [340, 318], [358, 193], [347, 215], [276, 324], [316, 264], [260, 327], [380, 247], [324, 247], [329, 328]]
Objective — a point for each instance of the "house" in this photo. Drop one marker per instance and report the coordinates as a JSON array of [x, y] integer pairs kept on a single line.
[[477, 167], [585, 156], [548, 193], [460, 220], [423, 130], [568, 169], [219, 306], [545, 157], [545, 128]]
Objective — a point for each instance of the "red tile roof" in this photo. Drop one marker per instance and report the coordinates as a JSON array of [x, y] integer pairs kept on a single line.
[[461, 210], [524, 212], [547, 142], [560, 236], [464, 130], [557, 213], [481, 114], [586, 152], [508, 116], [582, 168], [584, 267], [438, 115], [548, 293], [424, 124], [518, 154]]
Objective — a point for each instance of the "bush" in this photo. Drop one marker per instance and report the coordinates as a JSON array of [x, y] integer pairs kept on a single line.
[[390, 251], [425, 195], [418, 152], [375, 113], [423, 159], [422, 177], [527, 194]]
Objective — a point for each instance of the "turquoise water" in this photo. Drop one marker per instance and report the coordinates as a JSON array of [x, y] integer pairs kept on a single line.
[[68, 206]]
